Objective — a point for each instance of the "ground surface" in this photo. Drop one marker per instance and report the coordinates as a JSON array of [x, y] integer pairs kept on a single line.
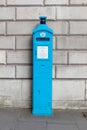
[[22, 119]]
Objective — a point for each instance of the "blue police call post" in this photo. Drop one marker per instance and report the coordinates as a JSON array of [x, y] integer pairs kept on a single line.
[[42, 69]]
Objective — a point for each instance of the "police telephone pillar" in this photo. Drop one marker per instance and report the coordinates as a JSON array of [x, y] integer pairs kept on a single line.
[[42, 69]]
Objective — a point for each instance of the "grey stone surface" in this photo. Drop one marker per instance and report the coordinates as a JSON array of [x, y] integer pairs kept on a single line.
[[82, 125], [18, 57], [61, 127], [22, 119], [31, 126], [24, 2], [56, 2], [8, 119], [35, 12], [71, 13]]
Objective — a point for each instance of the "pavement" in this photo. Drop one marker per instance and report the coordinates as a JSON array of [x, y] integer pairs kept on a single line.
[[22, 119]]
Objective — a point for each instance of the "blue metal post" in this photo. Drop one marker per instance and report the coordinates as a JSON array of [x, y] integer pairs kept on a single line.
[[42, 69]]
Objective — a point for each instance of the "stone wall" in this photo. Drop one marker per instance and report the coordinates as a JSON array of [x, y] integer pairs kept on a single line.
[[68, 19]]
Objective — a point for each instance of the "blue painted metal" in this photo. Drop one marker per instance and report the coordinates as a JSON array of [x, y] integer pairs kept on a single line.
[[42, 70]]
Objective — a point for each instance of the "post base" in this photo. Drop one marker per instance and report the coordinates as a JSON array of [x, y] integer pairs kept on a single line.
[[39, 112]]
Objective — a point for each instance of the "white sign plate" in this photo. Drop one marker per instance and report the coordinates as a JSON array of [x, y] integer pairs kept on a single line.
[[42, 52]]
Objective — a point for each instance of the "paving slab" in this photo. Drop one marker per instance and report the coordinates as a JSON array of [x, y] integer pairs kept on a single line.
[[31, 126], [9, 114], [61, 127], [82, 125], [6, 125]]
